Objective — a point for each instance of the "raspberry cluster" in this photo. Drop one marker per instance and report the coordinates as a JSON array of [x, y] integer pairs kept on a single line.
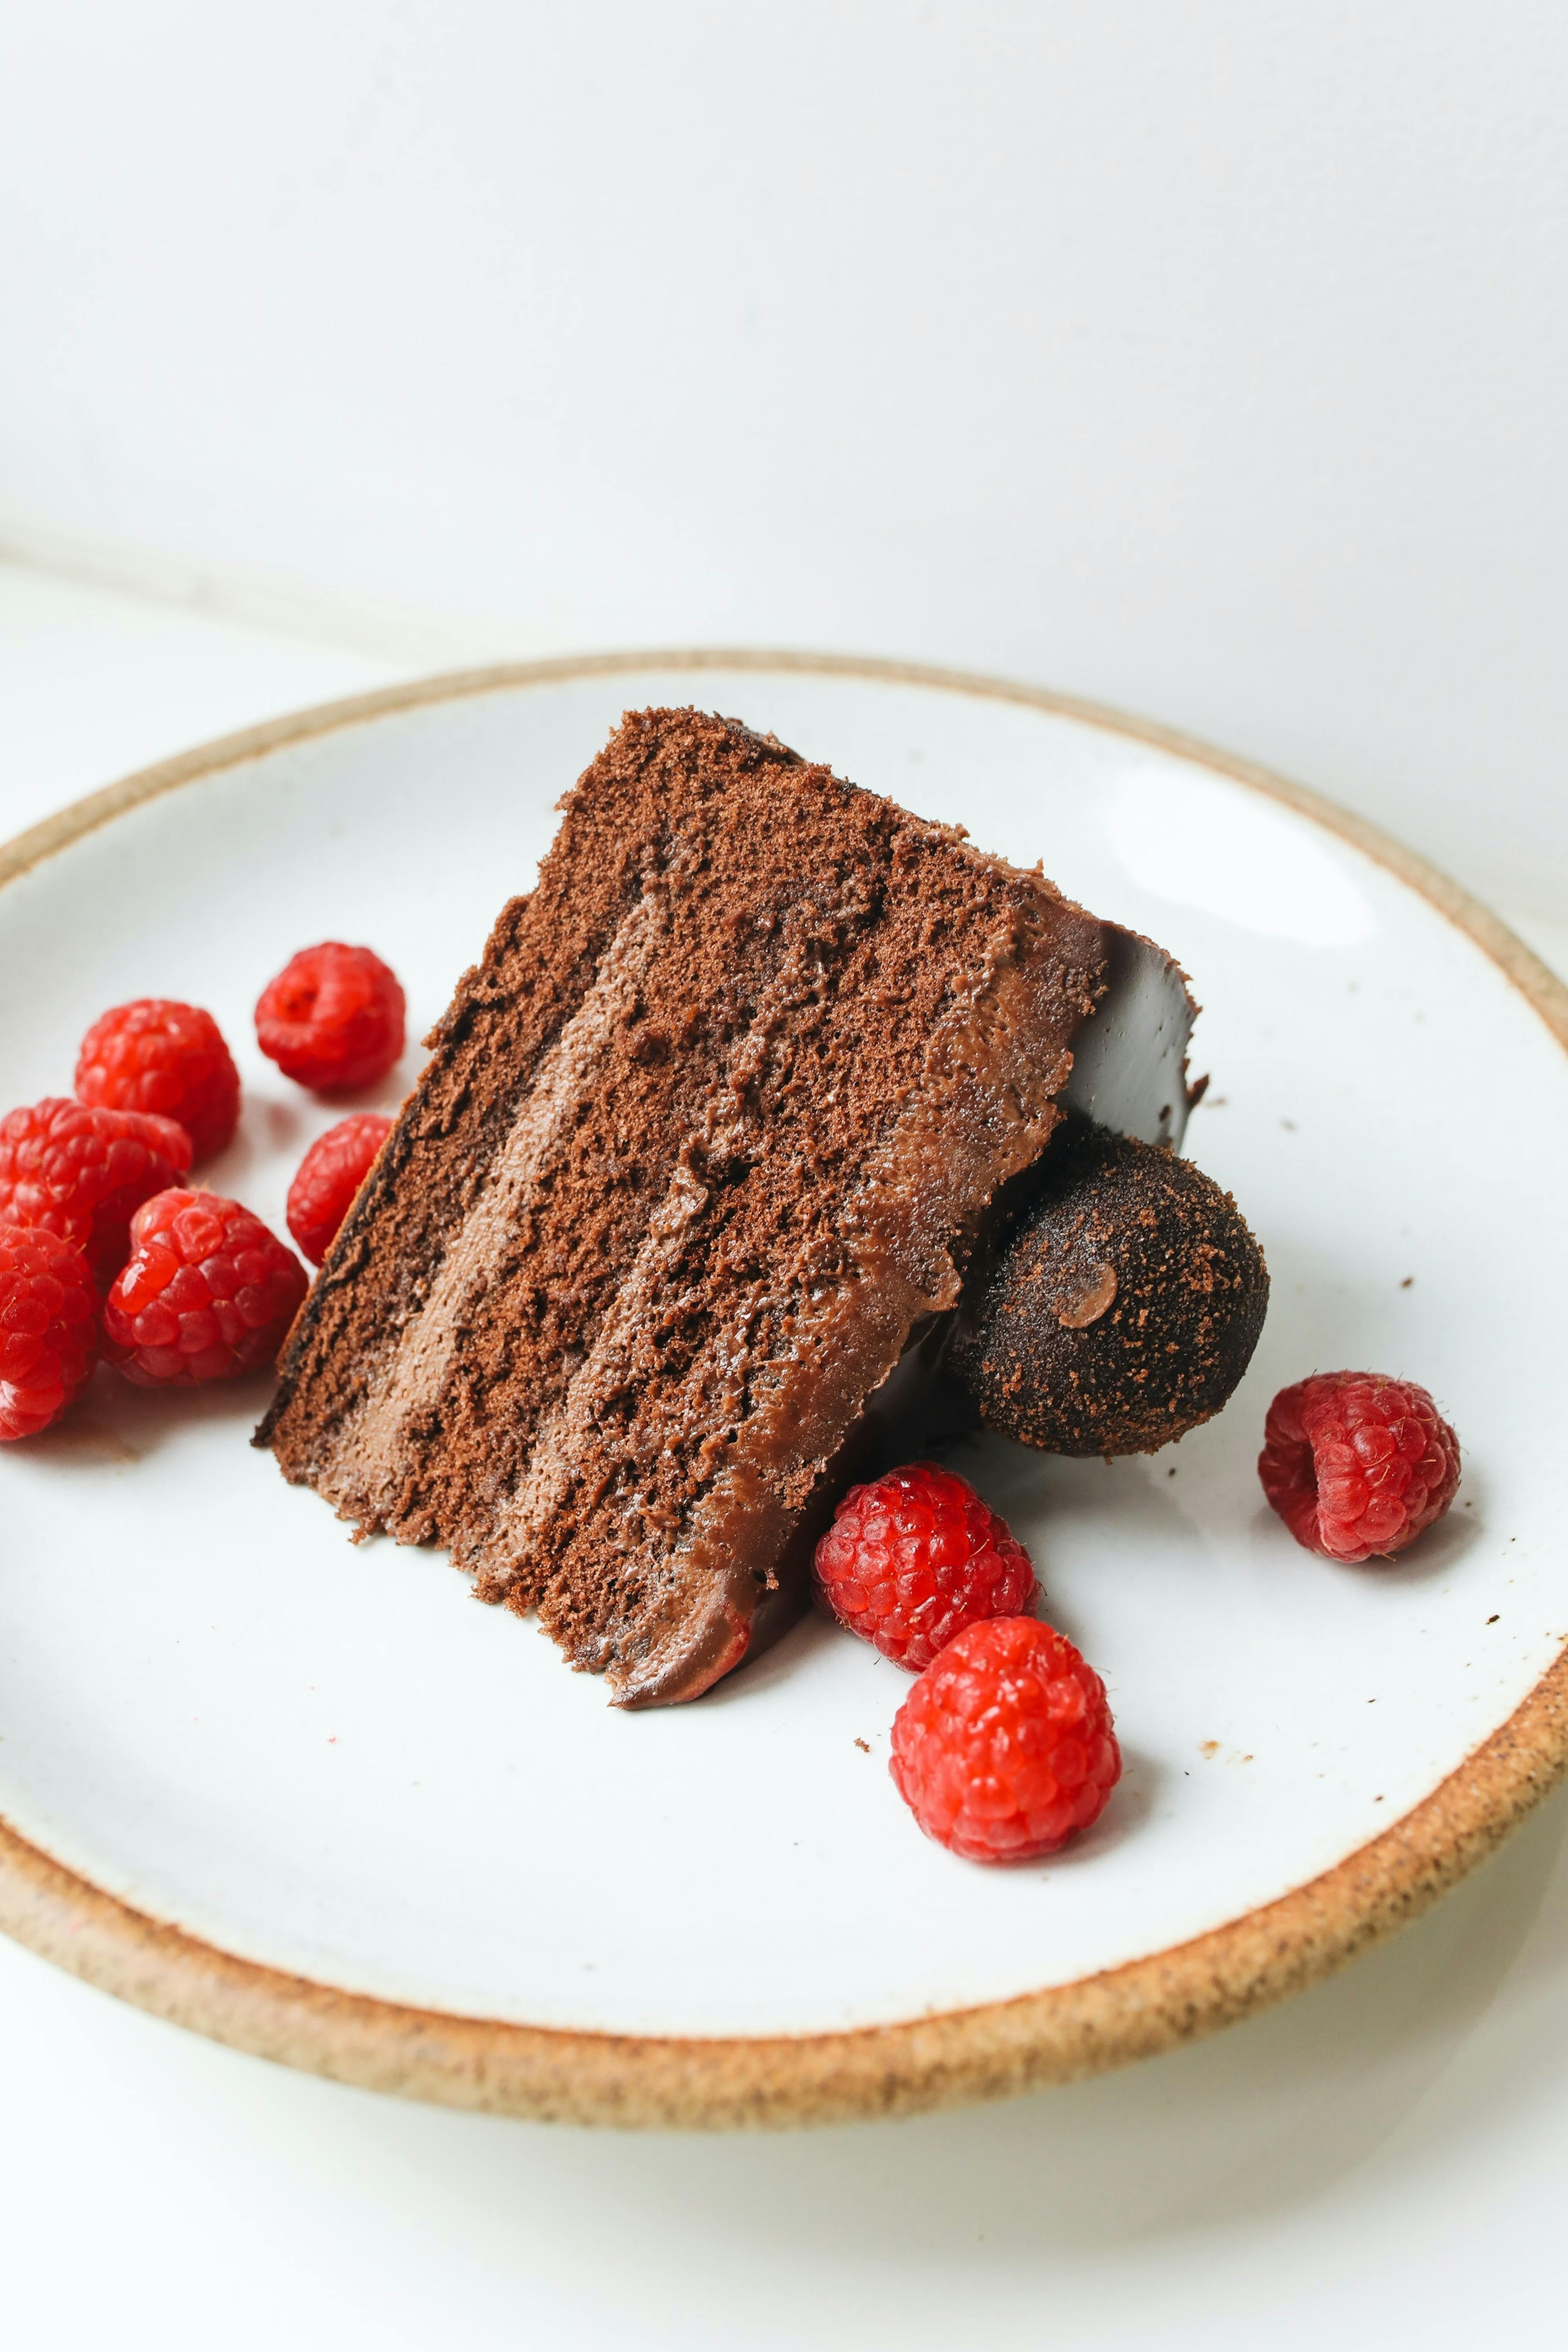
[[103, 1250], [1004, 1748]]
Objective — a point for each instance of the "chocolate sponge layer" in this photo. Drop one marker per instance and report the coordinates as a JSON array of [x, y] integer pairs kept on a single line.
[[710, 1126]]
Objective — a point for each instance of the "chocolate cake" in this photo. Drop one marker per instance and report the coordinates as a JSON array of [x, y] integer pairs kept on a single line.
[[1123, 1306], [704, 1145]]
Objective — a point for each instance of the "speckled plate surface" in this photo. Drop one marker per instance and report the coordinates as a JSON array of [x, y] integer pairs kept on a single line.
[[310, 1797]]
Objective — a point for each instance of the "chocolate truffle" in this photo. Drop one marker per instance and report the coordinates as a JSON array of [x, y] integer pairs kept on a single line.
[[1122, 1305]]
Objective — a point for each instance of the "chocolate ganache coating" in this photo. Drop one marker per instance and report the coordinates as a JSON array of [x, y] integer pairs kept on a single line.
[[1123, 1304]]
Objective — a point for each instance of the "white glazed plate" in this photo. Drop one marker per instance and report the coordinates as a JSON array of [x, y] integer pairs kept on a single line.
[[308, 1795]]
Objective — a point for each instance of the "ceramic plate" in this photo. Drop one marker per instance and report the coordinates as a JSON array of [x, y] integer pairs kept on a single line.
[[308, 1796]]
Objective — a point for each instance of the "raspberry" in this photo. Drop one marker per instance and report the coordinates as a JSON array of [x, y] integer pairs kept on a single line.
[[329, 1176], [208, 1292], [48, 1327], [913, 1558], [79, 1172], [332, 1019], [1357, 1465], [1004, 1749], [158, 1055]]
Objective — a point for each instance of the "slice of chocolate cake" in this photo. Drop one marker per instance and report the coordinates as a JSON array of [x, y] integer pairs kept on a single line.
[[705, 1137]]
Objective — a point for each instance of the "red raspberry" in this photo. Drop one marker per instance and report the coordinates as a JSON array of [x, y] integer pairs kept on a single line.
[[913, 1558], [158, 1055], [1004, 1749], [1357, 1465], [332, 1018], [208, 1292], [79, 1172], [329, 1176], [48, 1327]]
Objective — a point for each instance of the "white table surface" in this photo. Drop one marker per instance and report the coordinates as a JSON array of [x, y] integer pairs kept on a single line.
[[1383, 2161]]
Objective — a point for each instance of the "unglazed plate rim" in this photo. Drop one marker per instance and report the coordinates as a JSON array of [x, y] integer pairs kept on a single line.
[[1101, 2021]]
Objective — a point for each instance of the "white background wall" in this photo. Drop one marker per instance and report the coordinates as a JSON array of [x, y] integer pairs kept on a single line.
[[1208, 356]]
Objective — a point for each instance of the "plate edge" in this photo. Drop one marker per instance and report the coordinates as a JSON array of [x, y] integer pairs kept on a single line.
[[1546, 992], [685, 2082]]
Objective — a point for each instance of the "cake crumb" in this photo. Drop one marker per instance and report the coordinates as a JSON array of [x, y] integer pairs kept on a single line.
[[1208, 1748], [865, 1746]]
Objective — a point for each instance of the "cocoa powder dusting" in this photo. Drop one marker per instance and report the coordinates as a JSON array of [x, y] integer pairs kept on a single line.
[[1123, 1306]]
